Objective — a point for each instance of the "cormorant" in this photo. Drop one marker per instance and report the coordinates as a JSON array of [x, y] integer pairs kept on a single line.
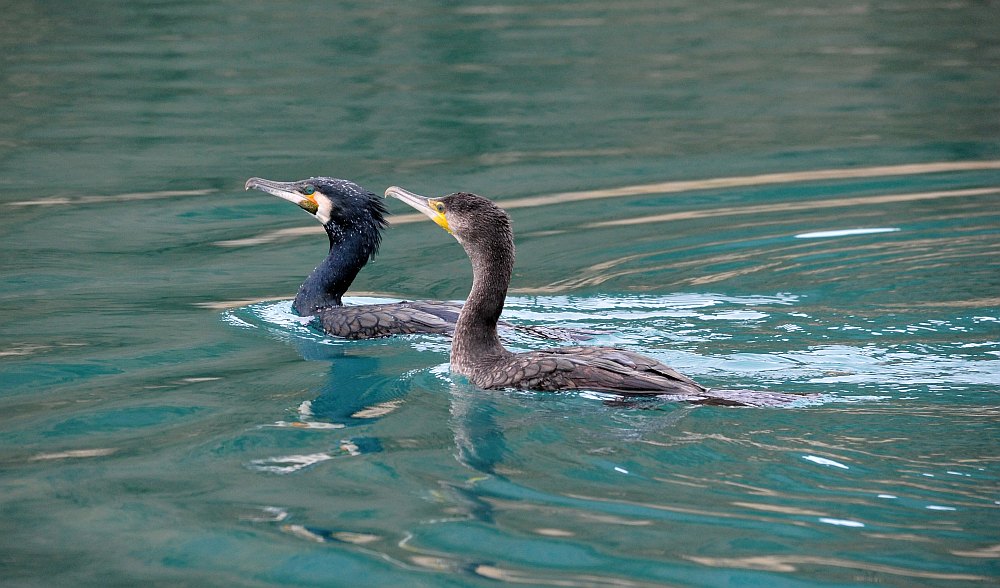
[[354, 218], [484, 230]]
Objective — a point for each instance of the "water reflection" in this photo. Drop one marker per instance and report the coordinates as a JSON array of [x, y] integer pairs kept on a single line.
[[661, 189], [355, 393], [793, 206], [589, 111], [793, 563], [479, 441], [113, 198], [613, 474]]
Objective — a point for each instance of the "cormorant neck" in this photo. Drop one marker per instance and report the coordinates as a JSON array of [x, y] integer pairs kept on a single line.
[[350, 250], [476, 340]]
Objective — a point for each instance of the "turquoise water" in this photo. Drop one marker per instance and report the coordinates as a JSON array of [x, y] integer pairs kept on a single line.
[[794, 196]]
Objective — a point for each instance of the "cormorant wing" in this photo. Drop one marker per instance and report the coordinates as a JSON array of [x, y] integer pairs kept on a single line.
[[383, 320], [603, 369], [622, 372], [607, 369], [369, 321]]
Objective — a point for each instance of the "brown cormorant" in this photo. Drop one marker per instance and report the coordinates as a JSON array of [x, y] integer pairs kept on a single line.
[[484, 230], [353, 219]]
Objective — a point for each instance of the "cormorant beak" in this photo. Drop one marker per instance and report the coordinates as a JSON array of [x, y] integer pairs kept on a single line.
[[431, 207], [285, 190]]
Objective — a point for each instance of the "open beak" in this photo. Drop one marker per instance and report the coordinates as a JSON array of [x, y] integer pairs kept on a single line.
[[286, 191], [429, 206]]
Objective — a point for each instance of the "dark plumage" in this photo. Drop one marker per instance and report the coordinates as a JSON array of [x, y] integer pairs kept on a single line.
[[353, 219], [484, 231]]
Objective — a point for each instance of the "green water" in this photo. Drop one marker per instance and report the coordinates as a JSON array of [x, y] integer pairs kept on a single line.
[[164, 420]]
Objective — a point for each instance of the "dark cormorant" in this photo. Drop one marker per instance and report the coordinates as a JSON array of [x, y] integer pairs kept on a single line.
[[484, 230], [354, 218]]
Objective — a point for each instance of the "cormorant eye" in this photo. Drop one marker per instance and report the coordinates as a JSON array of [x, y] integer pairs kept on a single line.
[[308, 189], [439, 206]]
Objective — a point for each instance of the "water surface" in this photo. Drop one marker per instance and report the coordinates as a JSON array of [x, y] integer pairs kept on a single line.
[[792, 196]]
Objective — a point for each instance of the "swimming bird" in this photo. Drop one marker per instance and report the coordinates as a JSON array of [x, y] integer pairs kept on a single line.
[[484, 231], [353, 218]]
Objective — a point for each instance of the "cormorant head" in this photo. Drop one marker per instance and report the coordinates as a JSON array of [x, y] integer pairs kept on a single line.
[[327, 199], [469, 217]]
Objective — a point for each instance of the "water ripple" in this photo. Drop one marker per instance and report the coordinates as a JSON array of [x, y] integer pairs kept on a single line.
[[689, 331]]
